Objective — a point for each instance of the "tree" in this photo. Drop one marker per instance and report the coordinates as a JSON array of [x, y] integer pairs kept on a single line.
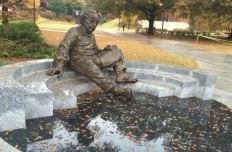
[[215, 13], [129, 18], [114, 6], [151, 9], [6, 4], [30, 4], [106, 5], [72, 4], [10, 4], [57, 6], [44, 3]]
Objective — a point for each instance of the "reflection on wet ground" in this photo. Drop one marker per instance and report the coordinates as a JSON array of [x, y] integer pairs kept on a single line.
[[103, 123]]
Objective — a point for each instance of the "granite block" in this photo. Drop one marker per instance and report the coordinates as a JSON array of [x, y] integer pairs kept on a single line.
[[11, 98], [183, 88], [151, 88], [36, 67], [52, 80], [12, 119], [141, 65], [69, 75], [205, 93], [153, 76], [18, 73], [84, 88], [174, 70], [38, 105], [223, 97], [65, 100], [5, 147], [204, 79]]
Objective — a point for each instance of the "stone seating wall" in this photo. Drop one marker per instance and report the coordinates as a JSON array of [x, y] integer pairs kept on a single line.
[[27, 92]]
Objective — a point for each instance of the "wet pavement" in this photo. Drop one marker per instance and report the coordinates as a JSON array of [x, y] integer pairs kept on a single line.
[[104, 123], [208, 61]]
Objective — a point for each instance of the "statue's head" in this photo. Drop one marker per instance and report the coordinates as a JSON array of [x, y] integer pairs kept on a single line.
[[89, 20]]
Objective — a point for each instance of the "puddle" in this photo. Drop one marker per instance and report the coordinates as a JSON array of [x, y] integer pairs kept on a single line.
[[103, 123]]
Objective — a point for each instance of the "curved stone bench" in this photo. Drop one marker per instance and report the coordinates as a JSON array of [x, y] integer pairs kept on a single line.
[[27, 92]]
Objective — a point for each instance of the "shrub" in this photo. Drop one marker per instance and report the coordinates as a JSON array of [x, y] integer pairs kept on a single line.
[[137, 30], [145, 29], [24, 40], [20, 31], [69, 18], [104, 20], [48, 15], [42, 9], [24, 15], [2, 63], [136, 25]]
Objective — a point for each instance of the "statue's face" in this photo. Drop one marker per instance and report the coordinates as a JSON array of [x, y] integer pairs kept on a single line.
[[91, 23]]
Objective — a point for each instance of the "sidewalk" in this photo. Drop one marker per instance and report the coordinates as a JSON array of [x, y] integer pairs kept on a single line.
[[209, 61]]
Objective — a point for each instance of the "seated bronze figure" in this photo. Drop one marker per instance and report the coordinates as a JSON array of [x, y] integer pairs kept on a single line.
[[79, 48]]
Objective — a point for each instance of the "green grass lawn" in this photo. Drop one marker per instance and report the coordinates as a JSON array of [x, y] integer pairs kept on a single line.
[[113, 24]]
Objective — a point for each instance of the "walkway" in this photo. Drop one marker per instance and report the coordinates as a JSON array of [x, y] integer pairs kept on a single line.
[[209, 61]]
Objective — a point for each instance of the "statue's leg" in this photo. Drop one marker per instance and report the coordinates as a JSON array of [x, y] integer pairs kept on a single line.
[[94, 74], [120, 69], [113, 56]]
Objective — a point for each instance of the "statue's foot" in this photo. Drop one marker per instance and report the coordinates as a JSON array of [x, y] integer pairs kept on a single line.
[[126, 79], [124, 93]]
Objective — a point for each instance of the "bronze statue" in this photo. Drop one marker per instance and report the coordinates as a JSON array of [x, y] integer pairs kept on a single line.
[[79, 48]]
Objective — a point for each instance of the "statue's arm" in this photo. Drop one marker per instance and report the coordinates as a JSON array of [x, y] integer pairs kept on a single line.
[[64, 47], [63, 52]]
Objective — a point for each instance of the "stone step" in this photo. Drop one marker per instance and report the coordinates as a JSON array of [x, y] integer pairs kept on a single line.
[[156, 83], [185, 86], [205, 81], [66, 90], [38, 99], [26, 90]]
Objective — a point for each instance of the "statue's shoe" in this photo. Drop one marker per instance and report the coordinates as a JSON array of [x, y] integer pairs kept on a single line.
[[123, 93], [126, 79]]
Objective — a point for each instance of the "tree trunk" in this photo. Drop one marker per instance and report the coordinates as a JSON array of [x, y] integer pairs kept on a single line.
[[69, 11], [230, 35], [129, 25], [5, 16], [151, 24]]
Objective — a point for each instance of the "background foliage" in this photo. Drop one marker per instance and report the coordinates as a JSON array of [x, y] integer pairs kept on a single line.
[[23, 40]]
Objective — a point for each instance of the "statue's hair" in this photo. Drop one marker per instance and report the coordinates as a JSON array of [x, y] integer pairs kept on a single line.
[[87, 13]]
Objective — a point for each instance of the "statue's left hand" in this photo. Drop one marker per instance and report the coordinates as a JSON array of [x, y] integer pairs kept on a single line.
[[54, 71]]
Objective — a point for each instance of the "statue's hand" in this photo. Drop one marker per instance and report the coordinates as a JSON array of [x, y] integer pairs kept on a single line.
[[54, 71]]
